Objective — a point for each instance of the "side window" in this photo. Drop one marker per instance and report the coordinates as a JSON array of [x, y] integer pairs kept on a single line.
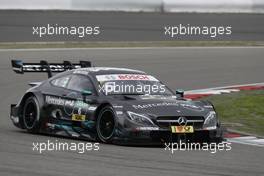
[[80, 83], [61, 82]]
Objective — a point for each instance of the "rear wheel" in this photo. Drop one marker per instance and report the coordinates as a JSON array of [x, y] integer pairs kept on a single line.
[[105, 125], [31, 115]]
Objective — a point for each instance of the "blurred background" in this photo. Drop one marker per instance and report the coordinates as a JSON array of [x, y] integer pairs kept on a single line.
[[131, 20]]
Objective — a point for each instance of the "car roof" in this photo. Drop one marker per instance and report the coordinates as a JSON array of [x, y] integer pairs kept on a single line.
[[106, 70], [93, 71]]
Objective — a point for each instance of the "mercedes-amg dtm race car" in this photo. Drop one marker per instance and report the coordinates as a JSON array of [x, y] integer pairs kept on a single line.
[[111, 105]]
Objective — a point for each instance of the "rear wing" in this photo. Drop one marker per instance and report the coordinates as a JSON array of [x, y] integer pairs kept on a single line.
[[49, 68]]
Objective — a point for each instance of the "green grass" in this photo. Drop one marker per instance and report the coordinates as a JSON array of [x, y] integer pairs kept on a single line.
[[242, 111], [16, 45]]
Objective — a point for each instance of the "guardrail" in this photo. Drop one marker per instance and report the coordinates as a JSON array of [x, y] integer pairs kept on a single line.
[[205, 6]]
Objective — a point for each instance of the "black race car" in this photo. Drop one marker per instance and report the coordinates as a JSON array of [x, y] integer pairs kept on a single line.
[[112, 105]]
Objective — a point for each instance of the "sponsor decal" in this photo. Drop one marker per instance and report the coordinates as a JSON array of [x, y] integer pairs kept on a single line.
[[153, 105], [64, 102], [123, 77], [70, 106], [59, 101], [119, 112], [81, 104], [192, 107], [117, 106], [55, 100], [133, 77], [69, 103], [53, 67], [208, 106], [78, 117], [147, 128]]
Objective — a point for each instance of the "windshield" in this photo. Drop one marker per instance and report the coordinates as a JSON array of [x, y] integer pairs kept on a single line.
[[131, 84]]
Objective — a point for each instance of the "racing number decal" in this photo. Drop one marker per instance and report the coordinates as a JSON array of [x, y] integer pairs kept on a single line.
[[182, 129], [78, 117]]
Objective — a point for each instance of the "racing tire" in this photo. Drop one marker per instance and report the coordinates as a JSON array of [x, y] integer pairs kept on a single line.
[[31, 115], [106, 124]]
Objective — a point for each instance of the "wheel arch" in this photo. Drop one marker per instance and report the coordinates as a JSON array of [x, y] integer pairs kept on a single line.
[[99, 108], [22, 102], [30, 94]]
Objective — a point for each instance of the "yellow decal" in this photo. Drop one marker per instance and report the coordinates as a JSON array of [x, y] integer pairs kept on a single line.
[[182, 129], [78, 117]]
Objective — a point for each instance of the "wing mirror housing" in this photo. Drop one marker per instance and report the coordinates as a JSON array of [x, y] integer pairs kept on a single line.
[[180, 93], [86, 93]]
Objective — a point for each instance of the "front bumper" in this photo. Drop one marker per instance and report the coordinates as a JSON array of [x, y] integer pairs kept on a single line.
[[14, 115], [161, 136]]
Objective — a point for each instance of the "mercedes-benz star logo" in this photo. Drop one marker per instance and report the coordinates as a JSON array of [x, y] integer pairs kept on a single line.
[[182, 121]]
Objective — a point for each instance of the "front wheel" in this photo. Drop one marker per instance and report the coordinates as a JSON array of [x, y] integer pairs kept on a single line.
[[105, 124], [31, 115]]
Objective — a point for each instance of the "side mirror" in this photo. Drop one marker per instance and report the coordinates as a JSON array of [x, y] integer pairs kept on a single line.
[[180, 93], [90, 100], [86, 93]]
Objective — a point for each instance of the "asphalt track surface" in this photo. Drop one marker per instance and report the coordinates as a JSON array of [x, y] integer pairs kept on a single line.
[[16, 26], [189, 68]]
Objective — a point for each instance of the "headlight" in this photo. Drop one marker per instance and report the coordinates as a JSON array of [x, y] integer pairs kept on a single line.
[[210, 120], [139, 118]]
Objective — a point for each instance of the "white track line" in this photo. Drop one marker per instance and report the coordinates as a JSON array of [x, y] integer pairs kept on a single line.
[[247, 140], [230, 88]]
